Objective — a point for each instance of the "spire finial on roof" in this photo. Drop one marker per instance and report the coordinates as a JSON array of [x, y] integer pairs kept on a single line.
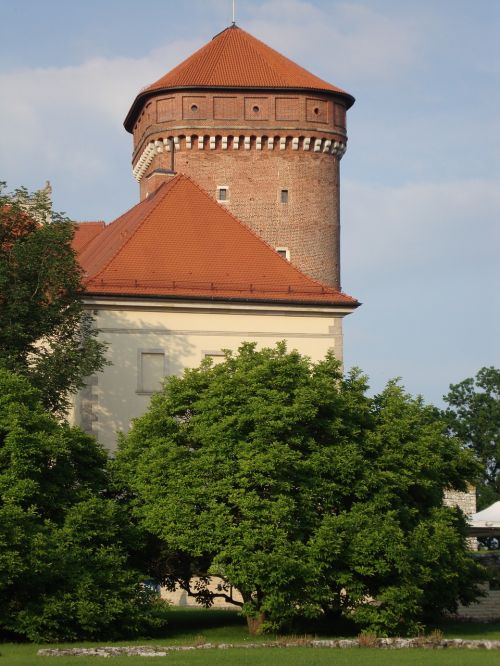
[[234, 12]]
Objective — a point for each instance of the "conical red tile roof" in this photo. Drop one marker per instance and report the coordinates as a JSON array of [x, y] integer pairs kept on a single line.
[[236, 59], [179, 242]]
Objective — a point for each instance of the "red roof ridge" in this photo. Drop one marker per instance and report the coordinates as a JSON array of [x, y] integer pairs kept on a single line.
[[85, 232], [251, 44], [164, 186]]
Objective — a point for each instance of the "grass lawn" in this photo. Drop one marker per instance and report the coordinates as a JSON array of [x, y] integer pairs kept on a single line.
[[188, 627], [473, 630]]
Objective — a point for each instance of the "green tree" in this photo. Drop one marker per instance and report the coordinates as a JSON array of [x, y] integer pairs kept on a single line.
[[64, 566], [283, 478], [45, 333], [474, 416]]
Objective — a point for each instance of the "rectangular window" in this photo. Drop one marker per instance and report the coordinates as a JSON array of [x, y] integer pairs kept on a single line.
[[283, 252], [151, 371], [222, 194], [284, 196], [217, 357]]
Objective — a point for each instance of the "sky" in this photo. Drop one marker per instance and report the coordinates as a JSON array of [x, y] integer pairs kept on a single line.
[[420, 182]]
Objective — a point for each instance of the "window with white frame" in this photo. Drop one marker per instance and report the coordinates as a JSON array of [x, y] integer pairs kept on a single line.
[[283, 252], [222, 193], [151, 370]]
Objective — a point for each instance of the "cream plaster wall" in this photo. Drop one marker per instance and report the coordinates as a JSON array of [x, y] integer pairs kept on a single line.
[[186, 332]]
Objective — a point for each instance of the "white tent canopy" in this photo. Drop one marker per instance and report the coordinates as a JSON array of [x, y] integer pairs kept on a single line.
[[485, 522]]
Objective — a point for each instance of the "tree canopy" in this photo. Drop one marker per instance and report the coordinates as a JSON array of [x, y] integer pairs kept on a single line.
[[474, 416], [283, 478], [44, 332], [64, 566]]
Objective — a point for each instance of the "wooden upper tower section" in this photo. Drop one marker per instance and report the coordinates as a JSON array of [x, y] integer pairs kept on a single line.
[[260, 134]]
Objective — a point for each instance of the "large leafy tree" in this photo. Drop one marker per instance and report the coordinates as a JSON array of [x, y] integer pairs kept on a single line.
[[44, 332], [65, 572], [474, 416], [283, 478]]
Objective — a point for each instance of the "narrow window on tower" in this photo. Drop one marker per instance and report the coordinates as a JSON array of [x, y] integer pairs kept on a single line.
[[222, 193], [283, 252], [284, 196]]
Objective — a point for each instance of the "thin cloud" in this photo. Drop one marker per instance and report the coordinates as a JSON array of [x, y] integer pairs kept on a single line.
[[438, 226], [349, 42], [422, 258], [66, 123]]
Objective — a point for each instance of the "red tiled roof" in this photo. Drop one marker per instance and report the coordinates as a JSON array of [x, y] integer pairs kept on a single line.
[[235, 59], [179, 242], [84, 233]]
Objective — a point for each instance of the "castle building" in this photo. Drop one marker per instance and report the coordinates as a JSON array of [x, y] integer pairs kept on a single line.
[[258, 133], [237, 233]]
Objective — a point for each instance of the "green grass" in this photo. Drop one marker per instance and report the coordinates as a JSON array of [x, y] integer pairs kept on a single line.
[[472, 630], [188, 627]]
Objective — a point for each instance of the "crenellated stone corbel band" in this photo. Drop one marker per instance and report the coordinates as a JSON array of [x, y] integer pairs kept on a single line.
[[306, 143]]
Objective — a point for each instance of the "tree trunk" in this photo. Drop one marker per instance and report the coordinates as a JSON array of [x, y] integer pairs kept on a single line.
[[255, 623]]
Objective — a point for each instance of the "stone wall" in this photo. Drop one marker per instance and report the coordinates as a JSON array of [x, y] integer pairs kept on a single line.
[[464, 500]]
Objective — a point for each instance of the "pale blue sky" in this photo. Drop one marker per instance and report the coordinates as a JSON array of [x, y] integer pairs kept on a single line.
[[420, 179]]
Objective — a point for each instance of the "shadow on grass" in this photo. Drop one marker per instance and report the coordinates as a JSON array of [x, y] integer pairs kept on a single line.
[[192, 626], [230, 625], [479, 630]]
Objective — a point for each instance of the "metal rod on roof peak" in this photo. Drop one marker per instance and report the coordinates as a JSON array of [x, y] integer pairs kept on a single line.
[[234, 12]]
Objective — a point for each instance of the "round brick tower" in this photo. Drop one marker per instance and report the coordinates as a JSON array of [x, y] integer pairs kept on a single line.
[[260, 134]]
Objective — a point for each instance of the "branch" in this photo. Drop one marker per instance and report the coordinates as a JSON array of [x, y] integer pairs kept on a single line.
[[206, 593]]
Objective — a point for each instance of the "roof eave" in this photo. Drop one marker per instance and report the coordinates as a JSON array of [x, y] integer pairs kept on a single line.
[[348, 307], [137, 104]]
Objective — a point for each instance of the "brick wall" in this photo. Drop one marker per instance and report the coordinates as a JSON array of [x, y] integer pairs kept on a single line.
[[226, 112]]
